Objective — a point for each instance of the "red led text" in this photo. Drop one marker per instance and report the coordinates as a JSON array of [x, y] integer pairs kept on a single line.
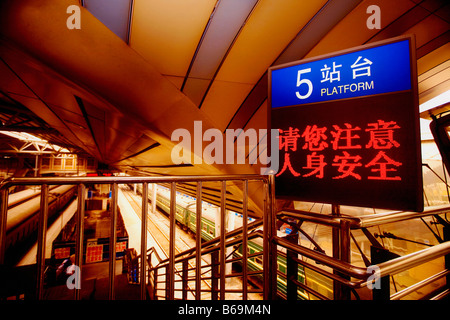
[[347, 141]]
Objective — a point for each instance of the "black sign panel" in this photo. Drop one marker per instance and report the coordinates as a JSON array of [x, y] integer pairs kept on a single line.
[[345, 147]]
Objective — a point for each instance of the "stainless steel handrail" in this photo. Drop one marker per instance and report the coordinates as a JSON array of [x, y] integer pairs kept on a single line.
[[414, 259], [400, 294], [127, 179], [390, 267], [363, 221], [344, 267], [206, 245]]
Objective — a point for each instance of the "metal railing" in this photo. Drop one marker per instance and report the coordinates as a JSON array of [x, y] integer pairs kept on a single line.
[[177, 269], [209, 272], [347, 277], [114, 181]]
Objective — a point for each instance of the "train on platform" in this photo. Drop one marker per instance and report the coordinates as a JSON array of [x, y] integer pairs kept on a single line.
[[186, 218], [23, 218]]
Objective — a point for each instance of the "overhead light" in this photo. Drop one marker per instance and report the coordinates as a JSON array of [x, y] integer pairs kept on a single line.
[[435, 102], [24, 136]]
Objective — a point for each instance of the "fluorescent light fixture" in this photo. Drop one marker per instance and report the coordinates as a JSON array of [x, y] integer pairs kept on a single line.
[[435, 102], [24, 136]]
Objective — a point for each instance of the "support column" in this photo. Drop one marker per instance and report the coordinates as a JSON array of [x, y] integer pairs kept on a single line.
[[80, 235], [3, 219], [112, 242], [154, 197], [341, 251], [144, 239], [42, 232]]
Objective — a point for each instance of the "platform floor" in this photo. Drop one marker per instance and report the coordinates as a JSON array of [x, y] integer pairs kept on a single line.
[[95, 285]]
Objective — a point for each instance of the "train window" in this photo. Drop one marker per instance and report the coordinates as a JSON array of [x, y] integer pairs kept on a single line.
[[281, 268], [45, 163], [68, 163], [57, 163]]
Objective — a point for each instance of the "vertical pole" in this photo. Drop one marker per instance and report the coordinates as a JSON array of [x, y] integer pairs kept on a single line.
[[291, 269], [446, 231], [214, 274], [244, 240], [155, 284], [168, 286], [345, 255], [379, 255], [173, 211], [3, 220], [144, 238], [42, 232], [270, 250], [198, 242], [335, 211], [80, 234], [112, 243], [154, 197], [222, 239], [36, 165], [184, 279]]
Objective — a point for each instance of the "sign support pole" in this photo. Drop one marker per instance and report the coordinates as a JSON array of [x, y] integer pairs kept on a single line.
[[341, 251], [335, 211]]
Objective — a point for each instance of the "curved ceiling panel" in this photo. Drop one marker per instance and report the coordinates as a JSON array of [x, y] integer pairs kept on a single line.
[[272, 25], [115, 14], [166, 32], [353, 26], [224, 26]]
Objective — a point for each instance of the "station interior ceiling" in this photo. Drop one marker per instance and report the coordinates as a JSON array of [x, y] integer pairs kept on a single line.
[[136, 70]]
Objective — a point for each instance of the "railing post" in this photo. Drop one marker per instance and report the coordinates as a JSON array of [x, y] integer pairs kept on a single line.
[[336, 244], [144, 238], [155, 284], [291, 269], [112, 242], [379, 255], [42, 233], [269, 247], [214, 275], [198, 242], [80, 234], [223, 253], [344, 237], [171, 274], [185, 279], [244, 240], [446, 231], [3, 220], [168, 291]]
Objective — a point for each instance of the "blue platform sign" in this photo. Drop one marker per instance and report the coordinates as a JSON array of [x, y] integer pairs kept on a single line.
[[349, 128], [371, 71]]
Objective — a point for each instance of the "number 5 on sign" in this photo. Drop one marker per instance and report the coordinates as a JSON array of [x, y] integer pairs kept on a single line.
[[304, 81]]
